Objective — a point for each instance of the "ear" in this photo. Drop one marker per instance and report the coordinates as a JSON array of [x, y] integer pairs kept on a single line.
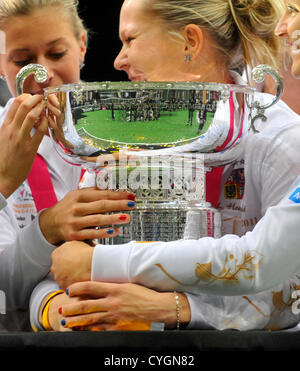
[[83, 46], [194, 39]]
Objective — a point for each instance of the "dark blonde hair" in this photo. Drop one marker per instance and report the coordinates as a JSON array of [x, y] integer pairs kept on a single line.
[[11, 8], [242, 29]]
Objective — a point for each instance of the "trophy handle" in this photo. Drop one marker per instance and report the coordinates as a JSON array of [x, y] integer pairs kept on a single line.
[[40, 75], [259, 74]]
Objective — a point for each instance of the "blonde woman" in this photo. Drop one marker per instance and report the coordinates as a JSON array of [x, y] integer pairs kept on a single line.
[[288, 28], [202, 39], [47, 208]]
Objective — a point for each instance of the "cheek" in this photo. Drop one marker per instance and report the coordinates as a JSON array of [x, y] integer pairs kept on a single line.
[[150, 58], [139, 52], [137, 61], [296, 66], [68, 72], [70, 77], [293, 29]]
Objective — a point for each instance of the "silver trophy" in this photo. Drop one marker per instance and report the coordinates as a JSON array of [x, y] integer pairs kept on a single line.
[[158, 140]]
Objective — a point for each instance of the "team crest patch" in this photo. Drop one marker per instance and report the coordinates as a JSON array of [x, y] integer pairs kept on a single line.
[[295, 197], [235, 184]]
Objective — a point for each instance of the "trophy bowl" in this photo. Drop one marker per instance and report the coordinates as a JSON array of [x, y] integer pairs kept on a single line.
[[108, 117], [152, 138]]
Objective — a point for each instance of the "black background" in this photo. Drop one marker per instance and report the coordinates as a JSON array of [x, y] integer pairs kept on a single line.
[[102, 19]]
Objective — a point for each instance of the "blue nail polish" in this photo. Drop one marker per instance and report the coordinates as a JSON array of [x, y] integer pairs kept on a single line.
[[63, 322], [131, 204], [110, 231], [67, 291]]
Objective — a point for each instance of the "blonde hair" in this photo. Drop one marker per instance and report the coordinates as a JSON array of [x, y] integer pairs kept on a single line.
[[11, 8], [242, 29]]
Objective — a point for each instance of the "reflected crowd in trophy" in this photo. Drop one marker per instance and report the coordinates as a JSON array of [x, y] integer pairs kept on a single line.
[[152, 106], [168, 201]]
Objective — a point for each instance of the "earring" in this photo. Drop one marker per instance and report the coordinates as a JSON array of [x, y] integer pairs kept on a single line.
[[2, 77], [188, 58], [81, 65]]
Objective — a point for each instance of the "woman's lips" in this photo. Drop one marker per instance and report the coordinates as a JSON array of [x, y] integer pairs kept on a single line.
[[136, 77]]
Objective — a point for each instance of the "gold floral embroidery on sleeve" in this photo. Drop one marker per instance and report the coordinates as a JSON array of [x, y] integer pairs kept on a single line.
[[278, 298], [231, 271], [280, 305], [278, 301]]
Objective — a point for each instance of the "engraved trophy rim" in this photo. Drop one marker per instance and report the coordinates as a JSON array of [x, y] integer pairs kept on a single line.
[[149, 85]]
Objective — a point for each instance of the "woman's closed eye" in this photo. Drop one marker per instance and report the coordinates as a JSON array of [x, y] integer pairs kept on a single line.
[[51, 55], [128, 40], [24, 62], [292, 10], [58, 55]]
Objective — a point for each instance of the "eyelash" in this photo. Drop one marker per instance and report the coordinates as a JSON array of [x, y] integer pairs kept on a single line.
[[59, 55], [55, 56], [129, 39], [292, 9], [22, 63]]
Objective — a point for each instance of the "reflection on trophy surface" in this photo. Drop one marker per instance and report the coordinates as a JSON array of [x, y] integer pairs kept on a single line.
[[158, 140]]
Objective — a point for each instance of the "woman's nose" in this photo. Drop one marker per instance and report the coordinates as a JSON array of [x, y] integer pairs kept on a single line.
[[121, 61], [281, 28]]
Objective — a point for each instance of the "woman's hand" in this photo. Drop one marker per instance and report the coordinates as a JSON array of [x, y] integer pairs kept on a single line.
[[54, 316], [78, 216], [71, 262], [17, 147], [108, 306]]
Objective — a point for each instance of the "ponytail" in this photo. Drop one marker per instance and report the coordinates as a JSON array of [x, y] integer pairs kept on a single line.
[[256, 21]]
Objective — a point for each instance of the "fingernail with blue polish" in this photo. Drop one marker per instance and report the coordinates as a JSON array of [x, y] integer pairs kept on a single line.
[[67, 291], [63, 322], [110, 231], [131, 204]]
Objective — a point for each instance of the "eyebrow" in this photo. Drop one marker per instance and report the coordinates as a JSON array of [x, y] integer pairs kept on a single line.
[[50, 43]]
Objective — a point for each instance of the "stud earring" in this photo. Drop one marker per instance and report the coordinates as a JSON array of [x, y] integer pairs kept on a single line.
[[188, 58]]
